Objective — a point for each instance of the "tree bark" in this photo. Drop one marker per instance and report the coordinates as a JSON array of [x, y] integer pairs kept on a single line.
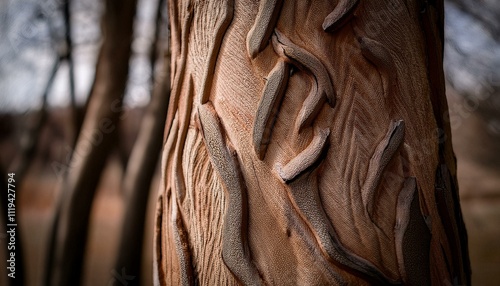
[[94, 143], [308, 144]]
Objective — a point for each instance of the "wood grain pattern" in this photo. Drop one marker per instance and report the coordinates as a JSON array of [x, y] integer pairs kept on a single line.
[[383, 154], [405, 198], [221, 20], [304, 193], [340, 15], [301, 147], [304, 159], [179, 179], [182, 247], [376, 53]]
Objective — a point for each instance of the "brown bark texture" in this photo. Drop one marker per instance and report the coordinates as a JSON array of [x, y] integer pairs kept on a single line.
[[307, 143]]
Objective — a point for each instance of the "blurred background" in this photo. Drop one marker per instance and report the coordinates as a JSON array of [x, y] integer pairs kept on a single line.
[[61, 60], [55, 66]]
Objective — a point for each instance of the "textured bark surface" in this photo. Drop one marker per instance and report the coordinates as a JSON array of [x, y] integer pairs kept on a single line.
[[306, 144]]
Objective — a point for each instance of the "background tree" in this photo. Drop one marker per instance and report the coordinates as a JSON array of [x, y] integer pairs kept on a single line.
[[94, 144]]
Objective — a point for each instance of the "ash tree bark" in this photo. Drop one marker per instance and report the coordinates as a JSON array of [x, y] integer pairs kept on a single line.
[[307, 143]]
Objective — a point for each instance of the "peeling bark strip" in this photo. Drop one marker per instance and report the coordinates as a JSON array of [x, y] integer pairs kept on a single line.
[[340, 15], [304, 193], [380, 56], [323, 217], [268, 107], [179, 180], [304, 159], [381, 157], [322, 87], [412, 237], [182, 246], [261, 31], [235, 251], [179, 72], [220, 30]]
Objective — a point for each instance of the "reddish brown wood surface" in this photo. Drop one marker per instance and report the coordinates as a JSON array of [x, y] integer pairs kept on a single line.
[[306, 144]]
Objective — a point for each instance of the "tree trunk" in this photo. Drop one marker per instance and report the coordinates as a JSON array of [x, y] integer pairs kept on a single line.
[[138, 176], [67, 246], [308, 144]]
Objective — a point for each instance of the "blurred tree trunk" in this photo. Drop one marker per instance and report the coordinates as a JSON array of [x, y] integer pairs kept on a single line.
[[142, 165], [94, 144], [5, 237], [308, 144], [137, 183]]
